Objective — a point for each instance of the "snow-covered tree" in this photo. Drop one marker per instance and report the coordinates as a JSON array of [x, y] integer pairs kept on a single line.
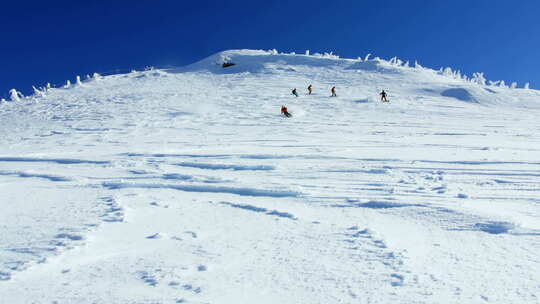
[[274, 52], [513, 85], [38, 92], [479, 78], [417, 65], [526, 86], [502, 84], [448, 71], [367, 57], [330, 55], [96, 76], [15, 95], [307, 52], [67, 85], [78, 79]]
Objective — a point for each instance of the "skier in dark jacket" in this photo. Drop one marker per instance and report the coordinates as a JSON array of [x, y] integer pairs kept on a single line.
[[294, 92], [333, 90], [285, 111], [310, 89], [383, 96]]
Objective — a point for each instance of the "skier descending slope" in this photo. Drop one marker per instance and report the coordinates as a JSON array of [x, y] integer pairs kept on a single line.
[[333, 90], [285, 111], [294, 92], [310, 89], [383, 96]]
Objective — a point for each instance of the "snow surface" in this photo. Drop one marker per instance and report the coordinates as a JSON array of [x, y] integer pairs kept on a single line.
[[185, 185]]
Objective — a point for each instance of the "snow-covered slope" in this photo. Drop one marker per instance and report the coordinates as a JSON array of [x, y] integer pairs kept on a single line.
[[186, 185]]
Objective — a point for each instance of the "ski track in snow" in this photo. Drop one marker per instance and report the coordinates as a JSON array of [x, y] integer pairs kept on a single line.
[[186, 186]]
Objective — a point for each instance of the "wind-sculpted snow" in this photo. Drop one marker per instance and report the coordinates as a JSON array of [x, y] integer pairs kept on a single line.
[[209, 189], [53, 178], [185, 185], [261, 210], [64, 161], [225, 167]]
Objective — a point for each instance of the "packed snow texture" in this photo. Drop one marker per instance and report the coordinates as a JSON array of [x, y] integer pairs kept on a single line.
[[186, 185]]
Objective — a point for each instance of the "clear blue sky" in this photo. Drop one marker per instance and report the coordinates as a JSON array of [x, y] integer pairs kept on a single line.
[[52, 41]]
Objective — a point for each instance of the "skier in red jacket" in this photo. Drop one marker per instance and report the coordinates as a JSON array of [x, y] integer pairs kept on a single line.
[[285, 111]]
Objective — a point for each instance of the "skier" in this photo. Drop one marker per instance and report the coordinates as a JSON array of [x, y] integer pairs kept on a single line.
[[310, 89], [383, 96], [294, 92], [285, 111], [333, 90]]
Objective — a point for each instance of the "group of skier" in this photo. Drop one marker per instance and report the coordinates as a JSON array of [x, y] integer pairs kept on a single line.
[[286, 112]]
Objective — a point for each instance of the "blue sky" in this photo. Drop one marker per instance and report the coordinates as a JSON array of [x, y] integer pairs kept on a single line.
[[52, 41]]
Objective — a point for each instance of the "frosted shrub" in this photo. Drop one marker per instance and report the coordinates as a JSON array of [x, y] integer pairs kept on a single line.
[[448, 72], [38, 92], [14, 95], [479, 78], [330, 55], [223, 59]]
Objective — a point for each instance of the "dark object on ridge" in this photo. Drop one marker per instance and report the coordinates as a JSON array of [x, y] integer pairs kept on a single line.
[[294, 92], [227, 64]]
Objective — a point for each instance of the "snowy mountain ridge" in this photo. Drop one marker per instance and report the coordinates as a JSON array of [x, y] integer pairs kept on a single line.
[[258, 60], [186, 185]]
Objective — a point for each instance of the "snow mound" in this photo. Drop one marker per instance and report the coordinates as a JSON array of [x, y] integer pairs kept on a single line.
[[459, 94]]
